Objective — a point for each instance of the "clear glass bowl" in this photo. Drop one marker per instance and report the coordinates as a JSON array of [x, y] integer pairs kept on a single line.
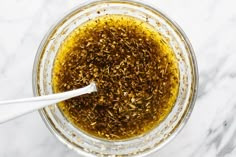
[[142, 145]]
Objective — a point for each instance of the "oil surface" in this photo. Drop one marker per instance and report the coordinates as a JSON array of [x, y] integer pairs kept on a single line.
[[135, 71]]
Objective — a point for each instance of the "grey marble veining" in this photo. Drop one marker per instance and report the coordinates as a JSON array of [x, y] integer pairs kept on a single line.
[[211, 28]]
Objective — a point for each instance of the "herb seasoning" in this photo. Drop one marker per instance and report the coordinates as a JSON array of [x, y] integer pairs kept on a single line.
[[135, 71]]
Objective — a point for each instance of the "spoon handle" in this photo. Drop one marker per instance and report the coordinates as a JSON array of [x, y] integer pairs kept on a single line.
[[15, 108]]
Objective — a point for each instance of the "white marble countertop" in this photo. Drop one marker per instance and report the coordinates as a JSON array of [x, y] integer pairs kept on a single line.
[[211, 28]]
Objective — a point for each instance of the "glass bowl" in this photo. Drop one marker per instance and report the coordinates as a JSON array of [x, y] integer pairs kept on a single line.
[[142, 145]]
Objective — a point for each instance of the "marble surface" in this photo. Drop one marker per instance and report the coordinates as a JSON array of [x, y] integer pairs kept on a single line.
[[211, 28]]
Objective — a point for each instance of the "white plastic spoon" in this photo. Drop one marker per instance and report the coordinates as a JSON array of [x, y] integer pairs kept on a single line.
[[15, 108]]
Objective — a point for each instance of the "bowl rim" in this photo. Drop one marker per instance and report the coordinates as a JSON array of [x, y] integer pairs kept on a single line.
[[195, 79]]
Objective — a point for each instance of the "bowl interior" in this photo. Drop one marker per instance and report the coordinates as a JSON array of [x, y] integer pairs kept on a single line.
[[153, 140]]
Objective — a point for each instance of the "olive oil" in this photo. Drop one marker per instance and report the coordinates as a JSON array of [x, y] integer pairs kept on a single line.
[[135, 70]]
